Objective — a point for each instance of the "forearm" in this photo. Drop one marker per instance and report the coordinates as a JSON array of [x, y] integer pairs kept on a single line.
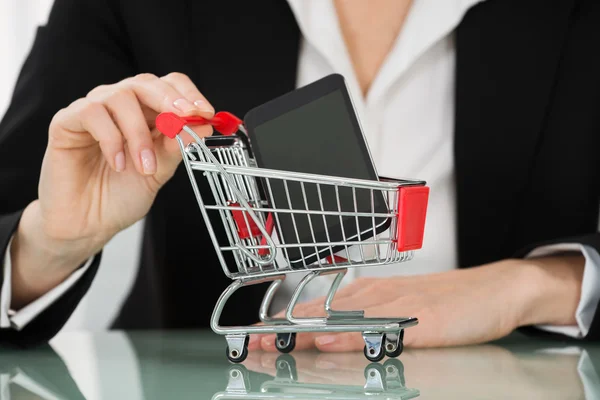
[[551, 287], [39, 262]]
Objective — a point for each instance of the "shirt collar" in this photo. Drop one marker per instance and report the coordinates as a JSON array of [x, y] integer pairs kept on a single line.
[[427, 22]]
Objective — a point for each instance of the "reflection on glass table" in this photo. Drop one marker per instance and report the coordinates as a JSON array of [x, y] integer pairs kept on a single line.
[[381, 381], [38, 375], [192, 365]]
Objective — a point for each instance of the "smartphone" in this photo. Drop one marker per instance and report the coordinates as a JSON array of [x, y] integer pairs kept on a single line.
[[315, 129]]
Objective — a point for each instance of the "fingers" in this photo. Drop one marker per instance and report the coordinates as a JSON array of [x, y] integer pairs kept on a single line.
[[190, 92], [172, 93], [345, 299], [340, 342], [324, 341], [186, 87], [86, 116], [304, 341], [128, 115], [133, 104], [254, 342], [160, 96]]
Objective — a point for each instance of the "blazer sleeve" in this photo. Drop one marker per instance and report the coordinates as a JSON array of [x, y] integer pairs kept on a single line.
[[83, 45], [591, 240]]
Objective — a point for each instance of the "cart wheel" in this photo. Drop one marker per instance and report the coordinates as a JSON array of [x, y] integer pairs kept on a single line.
[[375, 354], [236, 356], [285, 342], [394, 348], [399, 347]]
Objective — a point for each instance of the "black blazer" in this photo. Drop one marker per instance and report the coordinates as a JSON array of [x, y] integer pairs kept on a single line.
[[527, 133]]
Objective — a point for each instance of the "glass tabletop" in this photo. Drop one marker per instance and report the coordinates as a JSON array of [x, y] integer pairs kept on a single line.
[[193, 365]]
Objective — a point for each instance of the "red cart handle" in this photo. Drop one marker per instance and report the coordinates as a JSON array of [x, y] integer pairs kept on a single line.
[[170, 124], [412, 213]]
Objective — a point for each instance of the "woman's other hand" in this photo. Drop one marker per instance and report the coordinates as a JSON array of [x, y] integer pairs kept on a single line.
[[104, 164], [458, 307]]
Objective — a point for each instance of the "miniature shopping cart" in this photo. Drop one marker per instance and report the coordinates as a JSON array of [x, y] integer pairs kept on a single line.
[[243, 201]]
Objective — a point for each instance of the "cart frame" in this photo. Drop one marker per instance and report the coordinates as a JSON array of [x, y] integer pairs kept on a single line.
[[236, 184]]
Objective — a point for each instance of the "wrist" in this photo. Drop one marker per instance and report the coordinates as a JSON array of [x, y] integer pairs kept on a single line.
[[41, 262], [551, 289]]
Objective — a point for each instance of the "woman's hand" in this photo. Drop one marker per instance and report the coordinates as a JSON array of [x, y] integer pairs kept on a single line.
[[458, 307], [102, 169]]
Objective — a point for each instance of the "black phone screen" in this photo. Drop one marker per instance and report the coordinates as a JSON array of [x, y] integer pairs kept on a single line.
[[315, 130]]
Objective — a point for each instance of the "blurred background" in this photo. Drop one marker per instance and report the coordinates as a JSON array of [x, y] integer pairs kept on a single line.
[[19, 20]]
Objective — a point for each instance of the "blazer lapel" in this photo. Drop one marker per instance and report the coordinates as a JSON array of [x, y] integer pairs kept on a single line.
[[508, 54]]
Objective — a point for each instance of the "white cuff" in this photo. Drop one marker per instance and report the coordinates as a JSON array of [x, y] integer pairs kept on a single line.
[[590, 288], [5, 293], [18, 320]]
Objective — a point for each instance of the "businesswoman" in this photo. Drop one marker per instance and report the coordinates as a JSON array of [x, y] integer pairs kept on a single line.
[[495, 103]]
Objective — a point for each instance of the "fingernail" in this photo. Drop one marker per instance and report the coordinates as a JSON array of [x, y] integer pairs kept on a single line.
[[120, 162], [204, 106], [268, 341], [148, 161], [325, 340], [184, 105]]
